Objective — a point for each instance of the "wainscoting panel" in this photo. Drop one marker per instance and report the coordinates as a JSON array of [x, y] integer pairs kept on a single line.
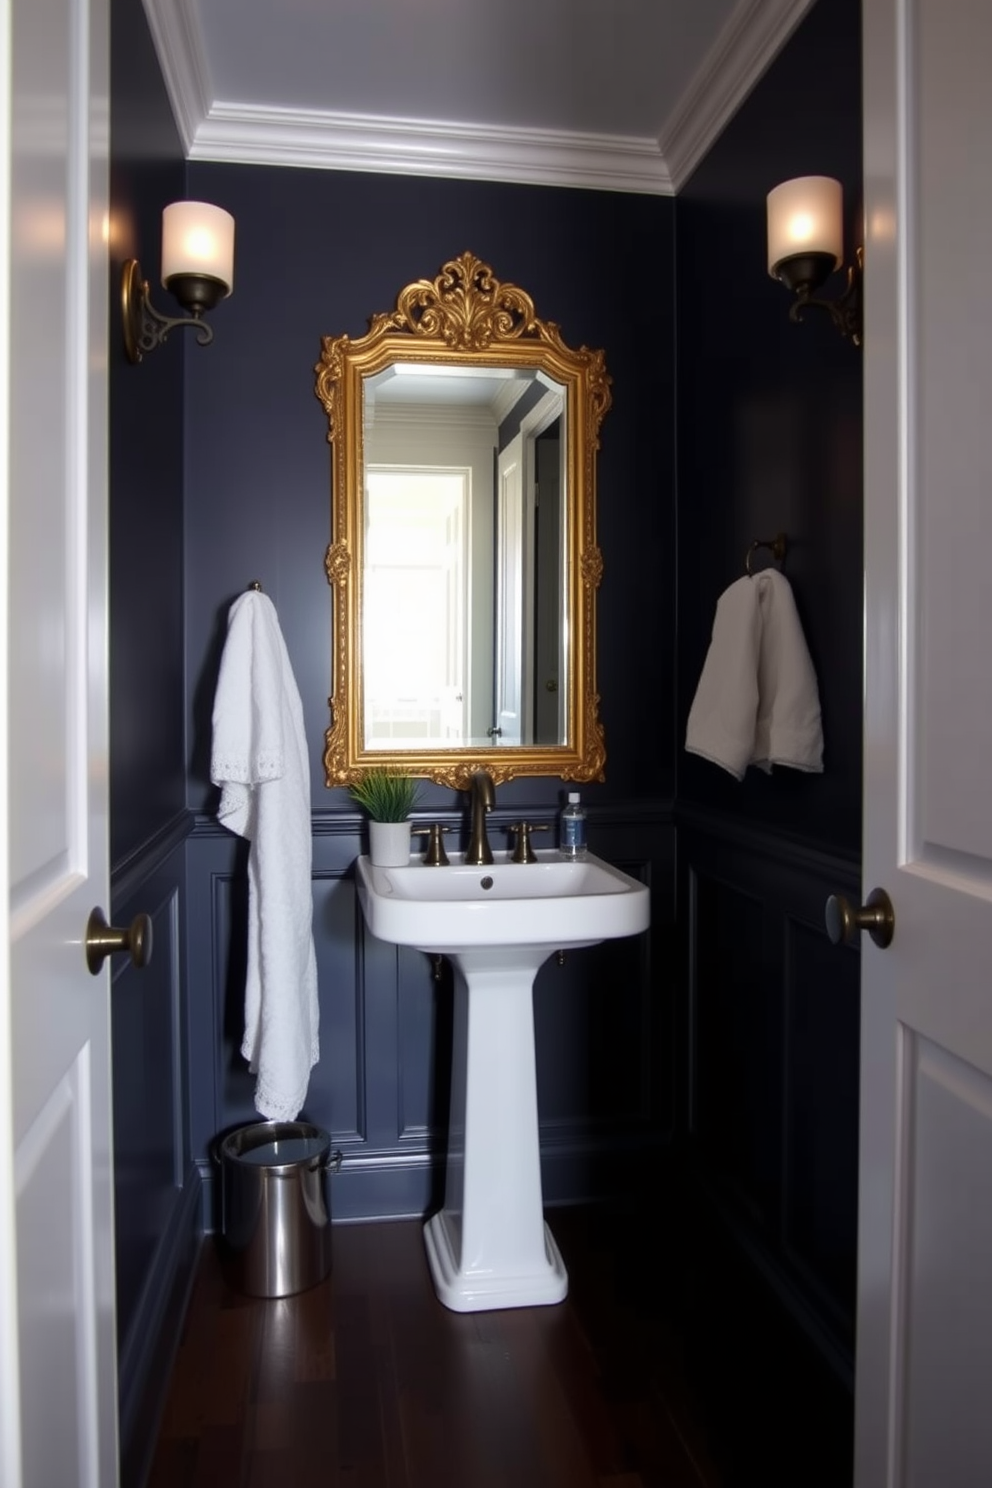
[[592, 1018], [603, 1025], [734, 1111], [771, 1017], [147, 1092], [337, 1081], [820, 1115], [158, 1207], [424, 991]]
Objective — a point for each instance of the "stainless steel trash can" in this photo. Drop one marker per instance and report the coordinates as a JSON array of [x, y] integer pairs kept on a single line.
[[276, 1206]]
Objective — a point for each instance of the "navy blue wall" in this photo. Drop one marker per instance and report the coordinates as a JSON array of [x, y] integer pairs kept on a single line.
[[318, 254], [157, 1189], [221, 474], [146, 463], [769, 439], [769, 425]]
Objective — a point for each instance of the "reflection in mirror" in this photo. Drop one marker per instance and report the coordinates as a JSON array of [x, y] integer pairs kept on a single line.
[[463, 558], [463, 584]]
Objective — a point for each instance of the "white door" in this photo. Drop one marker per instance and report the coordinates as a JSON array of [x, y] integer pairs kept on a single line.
[[924, 1350], [57, 1348]]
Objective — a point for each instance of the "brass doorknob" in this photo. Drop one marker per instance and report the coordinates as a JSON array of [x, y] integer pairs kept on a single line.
[[876, 916], [103, 940]]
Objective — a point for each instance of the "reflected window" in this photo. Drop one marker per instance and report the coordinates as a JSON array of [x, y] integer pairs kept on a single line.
[[416, 579]]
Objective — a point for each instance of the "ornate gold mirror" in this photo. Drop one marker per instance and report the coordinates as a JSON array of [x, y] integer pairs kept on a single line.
[[463, 555]]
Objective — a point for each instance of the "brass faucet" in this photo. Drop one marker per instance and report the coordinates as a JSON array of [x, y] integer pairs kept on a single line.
[[483, 798]]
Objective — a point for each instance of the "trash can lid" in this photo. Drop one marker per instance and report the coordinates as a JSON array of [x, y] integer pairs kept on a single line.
[[276, 1143]]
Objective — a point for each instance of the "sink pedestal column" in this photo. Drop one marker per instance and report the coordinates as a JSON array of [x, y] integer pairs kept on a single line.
[[489, 1246]]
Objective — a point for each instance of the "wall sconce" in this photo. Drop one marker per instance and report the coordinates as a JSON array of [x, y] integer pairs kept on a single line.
[[197, 267], [806, 245]]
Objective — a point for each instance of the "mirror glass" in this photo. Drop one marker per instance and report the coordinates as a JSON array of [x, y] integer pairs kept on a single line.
[[463, 583], [463, 555]]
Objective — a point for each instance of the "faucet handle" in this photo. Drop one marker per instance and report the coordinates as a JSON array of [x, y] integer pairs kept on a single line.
[[523, 852], [435, 856]]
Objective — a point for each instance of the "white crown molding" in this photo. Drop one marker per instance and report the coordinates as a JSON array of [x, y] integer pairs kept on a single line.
[[423, 147], [178, 42], [244, 134], [470, 418], [507, 398], [745, 47]]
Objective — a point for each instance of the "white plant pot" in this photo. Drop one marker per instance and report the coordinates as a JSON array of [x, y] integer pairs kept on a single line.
[[389, 843]]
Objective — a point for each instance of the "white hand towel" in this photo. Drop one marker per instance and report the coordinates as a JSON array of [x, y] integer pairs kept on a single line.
[[757, 701], [261, 763], [788, 728], [722, 717]]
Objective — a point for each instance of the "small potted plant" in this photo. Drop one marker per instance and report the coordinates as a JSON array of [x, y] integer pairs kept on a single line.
[[388, 796]]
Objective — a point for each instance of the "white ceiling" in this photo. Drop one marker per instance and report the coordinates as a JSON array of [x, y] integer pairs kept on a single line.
[[622, 95]]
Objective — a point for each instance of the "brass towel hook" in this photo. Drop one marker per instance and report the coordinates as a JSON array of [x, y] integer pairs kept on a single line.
[[256, 584], [777, 546]]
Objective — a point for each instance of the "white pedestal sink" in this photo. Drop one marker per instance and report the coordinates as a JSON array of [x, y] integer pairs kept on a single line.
[[489, 1246]]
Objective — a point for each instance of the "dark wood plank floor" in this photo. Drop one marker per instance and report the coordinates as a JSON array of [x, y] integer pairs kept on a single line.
[[366, 1381]]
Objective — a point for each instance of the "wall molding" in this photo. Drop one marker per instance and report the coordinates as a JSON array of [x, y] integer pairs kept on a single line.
[[339, 823], [137, 866], [385, 1112], [782, 847], [245, 134], [178, 41], [343, 822], [578, 1166], [756, 896]]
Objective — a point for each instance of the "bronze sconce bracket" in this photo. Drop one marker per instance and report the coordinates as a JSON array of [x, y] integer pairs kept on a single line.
[[145, 327], [804, 274]]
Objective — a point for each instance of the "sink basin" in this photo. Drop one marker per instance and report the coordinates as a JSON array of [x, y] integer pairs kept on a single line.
[[549, 903], [489, 1245]]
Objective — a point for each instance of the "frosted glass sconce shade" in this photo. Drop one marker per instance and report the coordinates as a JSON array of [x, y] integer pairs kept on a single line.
[[197, 242], [197, 267], [806, 245], [805, 216]]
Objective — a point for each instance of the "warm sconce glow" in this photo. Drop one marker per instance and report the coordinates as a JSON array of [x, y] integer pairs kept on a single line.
[[806, 245], [805, 216], [197, 267]]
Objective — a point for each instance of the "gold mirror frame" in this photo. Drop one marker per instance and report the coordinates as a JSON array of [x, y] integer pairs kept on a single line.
[[464, 317]]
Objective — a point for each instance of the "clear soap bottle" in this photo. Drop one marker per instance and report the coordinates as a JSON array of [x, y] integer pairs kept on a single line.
[[572, 837]]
